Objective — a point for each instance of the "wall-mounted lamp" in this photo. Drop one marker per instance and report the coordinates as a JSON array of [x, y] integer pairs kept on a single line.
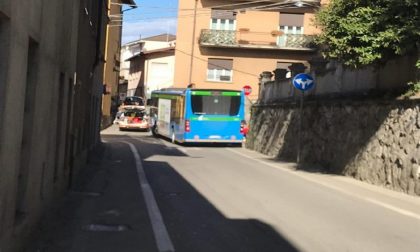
[[299, 4]]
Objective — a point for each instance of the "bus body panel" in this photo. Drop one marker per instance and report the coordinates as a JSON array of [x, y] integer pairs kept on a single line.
[[212, 115], [214, 130]]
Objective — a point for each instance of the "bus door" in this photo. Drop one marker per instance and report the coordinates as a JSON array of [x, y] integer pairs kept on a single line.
[[164, 116]]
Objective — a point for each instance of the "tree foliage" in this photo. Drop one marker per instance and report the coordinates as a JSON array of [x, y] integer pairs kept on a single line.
[[362, 32]]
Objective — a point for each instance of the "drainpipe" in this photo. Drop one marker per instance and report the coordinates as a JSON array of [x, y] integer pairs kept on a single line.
[[98, 36], [193, 42]]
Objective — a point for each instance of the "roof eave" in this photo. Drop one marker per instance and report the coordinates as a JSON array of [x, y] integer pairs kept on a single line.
[[130, 2]]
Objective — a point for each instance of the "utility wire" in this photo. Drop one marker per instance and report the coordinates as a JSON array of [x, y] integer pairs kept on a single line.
[[191, 9], [287, 6], [223, 6], [189, 16]]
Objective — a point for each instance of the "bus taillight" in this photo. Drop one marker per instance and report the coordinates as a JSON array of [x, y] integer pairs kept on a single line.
[[187, 126], [244, 128]]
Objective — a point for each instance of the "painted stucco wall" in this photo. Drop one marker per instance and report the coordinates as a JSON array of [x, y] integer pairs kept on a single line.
[[48, 57], [127, 51], [111, 68], [139, 76], [247, 63], [163, 80]]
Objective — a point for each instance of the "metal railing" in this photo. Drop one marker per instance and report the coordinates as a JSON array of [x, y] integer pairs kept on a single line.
[[273, 40]]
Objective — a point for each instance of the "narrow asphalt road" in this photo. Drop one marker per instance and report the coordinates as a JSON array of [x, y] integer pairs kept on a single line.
[[221, 198]]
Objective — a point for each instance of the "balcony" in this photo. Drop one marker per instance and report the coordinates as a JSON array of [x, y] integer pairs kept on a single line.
[[256, 40]]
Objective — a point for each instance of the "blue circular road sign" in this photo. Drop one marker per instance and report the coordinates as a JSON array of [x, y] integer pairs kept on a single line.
[[303, 82]]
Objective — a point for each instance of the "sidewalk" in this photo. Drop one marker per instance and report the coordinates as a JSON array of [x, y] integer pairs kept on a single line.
[[104, 211]]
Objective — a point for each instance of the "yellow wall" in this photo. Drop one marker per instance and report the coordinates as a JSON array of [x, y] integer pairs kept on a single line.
[[113, 44]]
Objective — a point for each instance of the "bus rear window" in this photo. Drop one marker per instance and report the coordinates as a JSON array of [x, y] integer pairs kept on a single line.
[[215, 105]]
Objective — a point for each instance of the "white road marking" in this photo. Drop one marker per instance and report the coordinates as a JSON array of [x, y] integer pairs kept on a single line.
[[163, 241], [370, 200], [184, 150]]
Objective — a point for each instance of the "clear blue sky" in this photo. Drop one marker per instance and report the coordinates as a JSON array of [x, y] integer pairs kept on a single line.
[[152, 17]]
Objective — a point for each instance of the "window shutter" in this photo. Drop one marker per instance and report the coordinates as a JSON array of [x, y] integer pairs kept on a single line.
[[287, 19], [223, 14], [220, 64]]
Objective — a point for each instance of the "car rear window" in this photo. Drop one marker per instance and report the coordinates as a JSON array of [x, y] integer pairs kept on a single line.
[[134, 100]]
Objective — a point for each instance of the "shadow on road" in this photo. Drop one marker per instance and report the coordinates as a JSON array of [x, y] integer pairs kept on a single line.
[[108, 192], [194, 223]]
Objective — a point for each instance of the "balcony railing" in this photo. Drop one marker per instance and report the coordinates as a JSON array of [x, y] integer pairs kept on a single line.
[[246, 39]]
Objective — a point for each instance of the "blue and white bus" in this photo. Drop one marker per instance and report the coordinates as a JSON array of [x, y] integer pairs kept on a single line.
[[198, 115]]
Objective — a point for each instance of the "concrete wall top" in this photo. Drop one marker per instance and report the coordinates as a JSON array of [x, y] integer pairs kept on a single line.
[[334, 79]]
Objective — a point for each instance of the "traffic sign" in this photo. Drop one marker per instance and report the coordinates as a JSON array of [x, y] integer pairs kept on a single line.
[[303, 82], [247, 90]]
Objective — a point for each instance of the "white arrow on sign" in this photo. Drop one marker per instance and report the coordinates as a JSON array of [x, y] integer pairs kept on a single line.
[[303, 83]]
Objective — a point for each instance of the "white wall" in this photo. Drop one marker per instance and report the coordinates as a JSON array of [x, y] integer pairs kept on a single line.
[[153, 79], [128, 51], [154, 45], [159, 73]]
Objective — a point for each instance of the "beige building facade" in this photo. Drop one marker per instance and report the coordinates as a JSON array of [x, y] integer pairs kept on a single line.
[[50, 101], [227, 44]]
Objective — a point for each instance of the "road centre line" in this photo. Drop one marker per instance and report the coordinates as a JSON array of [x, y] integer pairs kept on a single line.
[[163, 241], [370, 200]]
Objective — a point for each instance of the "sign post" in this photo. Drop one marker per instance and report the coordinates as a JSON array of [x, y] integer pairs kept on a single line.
[[302, 82]]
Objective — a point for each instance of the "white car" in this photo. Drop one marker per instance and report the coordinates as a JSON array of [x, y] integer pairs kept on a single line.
[[134, 119]]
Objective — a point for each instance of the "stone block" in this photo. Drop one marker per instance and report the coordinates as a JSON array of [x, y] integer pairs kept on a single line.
[[416, 171]]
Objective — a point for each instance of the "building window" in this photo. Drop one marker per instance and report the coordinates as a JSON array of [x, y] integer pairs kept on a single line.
[[290, 24], [223, 20], [220, 70], [223, 24], [291, 29]]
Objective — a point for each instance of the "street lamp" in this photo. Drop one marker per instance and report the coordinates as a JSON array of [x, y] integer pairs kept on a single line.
[[299, 4]]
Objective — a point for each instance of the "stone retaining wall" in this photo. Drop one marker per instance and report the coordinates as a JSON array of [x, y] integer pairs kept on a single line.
[[375, 141]]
